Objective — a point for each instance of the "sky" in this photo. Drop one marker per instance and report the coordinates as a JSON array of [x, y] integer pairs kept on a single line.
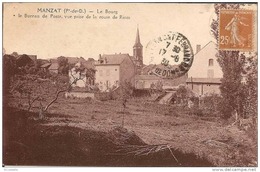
[[49, 38]]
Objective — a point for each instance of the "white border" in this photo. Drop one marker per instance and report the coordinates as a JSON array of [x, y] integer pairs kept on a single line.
[[115, 169]]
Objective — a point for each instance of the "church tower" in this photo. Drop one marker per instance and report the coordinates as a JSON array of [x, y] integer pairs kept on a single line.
[[138, 53]]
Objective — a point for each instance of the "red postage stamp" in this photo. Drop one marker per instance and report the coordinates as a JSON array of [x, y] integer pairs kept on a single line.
[[236, 30]]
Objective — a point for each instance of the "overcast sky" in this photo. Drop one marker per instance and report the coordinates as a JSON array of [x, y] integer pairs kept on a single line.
[[50, 38]]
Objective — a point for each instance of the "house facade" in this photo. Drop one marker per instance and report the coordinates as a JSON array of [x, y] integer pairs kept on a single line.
[[113, 70], [205, 73]]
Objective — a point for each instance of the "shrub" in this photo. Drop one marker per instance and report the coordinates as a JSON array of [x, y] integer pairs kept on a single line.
[[103, 96], [211, 105], [195, 110]]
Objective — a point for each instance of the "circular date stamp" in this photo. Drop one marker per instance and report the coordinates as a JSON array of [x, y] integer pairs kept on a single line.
[[174, 53]]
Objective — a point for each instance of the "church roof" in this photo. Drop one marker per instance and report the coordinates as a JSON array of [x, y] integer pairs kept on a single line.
[[137, 39], [112, 59]]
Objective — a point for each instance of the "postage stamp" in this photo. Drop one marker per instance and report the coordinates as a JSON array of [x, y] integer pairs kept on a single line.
[[236, 30], [175, 53]]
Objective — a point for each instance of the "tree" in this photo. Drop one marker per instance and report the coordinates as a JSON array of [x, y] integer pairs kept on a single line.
[[44, 91], [232, 63], [9, 70], [183, 94], [251, 88], [126, 91], [63, 65], [83, 73]]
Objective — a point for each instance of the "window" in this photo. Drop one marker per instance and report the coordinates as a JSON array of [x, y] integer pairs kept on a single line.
[[107, 84], [211, 62]]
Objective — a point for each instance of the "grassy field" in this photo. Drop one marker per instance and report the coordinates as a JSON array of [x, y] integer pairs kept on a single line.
[[206, 137]]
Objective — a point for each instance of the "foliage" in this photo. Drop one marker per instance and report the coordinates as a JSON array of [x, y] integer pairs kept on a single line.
[[251, 89], [63, 65], [239, 98], [80, 72], [24, 60], [211, 104], [36, 90], [232, 63], [126, 90], [195, 110], [182, 95], [9, 70], [90, 73], [182, 92]]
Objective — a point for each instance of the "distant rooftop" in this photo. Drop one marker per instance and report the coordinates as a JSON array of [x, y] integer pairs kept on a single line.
[[112, 59]]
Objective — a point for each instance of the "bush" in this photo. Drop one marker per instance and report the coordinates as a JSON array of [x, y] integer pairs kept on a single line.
[[103, 96], [211, 105], [141, 93], [195, 110]]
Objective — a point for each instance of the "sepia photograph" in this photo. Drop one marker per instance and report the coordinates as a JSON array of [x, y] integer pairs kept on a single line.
[[130, 84]]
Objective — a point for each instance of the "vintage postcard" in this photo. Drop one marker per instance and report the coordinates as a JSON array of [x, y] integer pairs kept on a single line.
[[130, 84]]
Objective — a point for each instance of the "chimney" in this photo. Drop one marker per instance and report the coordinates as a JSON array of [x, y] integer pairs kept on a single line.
[[100, 61], [198, 48]]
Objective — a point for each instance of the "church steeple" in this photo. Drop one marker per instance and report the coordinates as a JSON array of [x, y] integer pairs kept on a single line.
[[138, 52], [137, 39]]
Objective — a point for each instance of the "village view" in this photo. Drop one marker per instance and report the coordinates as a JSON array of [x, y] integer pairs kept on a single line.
[[112, 110]]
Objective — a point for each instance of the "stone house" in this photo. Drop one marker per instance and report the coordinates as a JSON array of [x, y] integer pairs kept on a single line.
[[113, 70]]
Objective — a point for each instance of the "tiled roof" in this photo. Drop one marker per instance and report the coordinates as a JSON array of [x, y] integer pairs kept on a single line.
[[54, 60], [89, 64], [46, 65], [54, 66], [204, 80], [211, 43], [115, 59], [148, 68]]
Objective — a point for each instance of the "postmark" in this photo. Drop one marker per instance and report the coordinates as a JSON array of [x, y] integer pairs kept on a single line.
[[174, 53], [236, 30]]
